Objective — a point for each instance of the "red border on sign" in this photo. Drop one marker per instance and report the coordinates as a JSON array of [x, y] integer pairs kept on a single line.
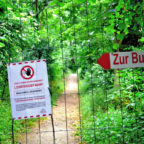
[[31, 69]]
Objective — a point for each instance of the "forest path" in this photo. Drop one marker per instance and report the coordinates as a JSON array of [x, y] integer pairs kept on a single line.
[[45, 136]]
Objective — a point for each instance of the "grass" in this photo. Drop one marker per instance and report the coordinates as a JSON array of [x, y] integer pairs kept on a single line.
[[6, 124]]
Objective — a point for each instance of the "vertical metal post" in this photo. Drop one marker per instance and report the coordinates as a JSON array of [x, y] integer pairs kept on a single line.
[[53, 129], [106, 93], [65, 97], [79, 97], [39, 131], [121, 107], [91, 73], [135, 107], [26, 130], [13, 140]]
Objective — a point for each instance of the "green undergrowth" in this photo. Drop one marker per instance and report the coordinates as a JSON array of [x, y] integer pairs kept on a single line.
[[110, 115], [56, 90]]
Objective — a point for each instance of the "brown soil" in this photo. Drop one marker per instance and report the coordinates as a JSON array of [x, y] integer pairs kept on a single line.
[[46, 135]]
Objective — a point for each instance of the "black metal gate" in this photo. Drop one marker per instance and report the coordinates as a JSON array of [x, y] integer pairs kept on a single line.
[[96, 106]]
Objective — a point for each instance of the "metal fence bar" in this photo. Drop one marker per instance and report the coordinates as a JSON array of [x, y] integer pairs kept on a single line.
[[13, 139], [64, 78], [135, 106], [39, 131], [105, 87], [141, 140], [26, 131], [77, 72], [9, 53], [52, 120], [85, 129], [91, 72], [63, 27], [54, 138], [121, 107]]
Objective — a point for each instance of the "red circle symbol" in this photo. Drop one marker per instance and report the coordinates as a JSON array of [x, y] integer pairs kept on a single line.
[[27, 72]]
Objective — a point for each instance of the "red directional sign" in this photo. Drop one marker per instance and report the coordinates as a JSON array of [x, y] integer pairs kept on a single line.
[[121, 60]]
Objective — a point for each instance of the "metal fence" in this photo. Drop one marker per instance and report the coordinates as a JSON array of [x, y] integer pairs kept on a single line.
[[75, 48]]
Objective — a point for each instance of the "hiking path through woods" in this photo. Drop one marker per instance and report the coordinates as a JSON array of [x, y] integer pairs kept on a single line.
[[45, 136]]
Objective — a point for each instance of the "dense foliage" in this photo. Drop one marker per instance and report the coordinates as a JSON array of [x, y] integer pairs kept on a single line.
[[71, 35]]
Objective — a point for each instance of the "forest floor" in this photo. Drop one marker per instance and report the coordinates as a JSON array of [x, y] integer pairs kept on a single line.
[[45, 136]]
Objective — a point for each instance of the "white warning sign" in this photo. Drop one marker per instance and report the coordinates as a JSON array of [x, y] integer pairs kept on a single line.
[[29, 89]]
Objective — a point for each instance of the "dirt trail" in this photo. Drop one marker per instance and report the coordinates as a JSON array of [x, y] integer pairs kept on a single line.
[[59, 119]]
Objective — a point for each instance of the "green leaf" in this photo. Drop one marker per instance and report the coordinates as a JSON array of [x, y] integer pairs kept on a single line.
[[120, 36], [4, 39], [142, 39], [122, 26], [2, 45], [118, 8], [115, 46], [126, 31]]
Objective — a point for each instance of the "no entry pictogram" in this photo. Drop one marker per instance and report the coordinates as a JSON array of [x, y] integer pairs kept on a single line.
[[27, 72]]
